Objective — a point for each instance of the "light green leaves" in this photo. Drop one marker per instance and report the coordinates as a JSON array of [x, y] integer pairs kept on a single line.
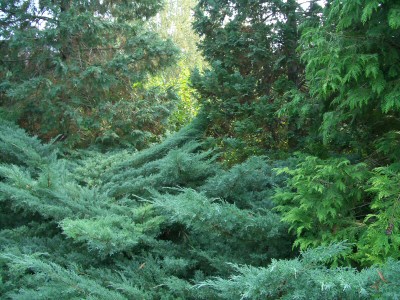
[[382, 237], [392, 100], [370, 7], [319, 200], [394, 17]]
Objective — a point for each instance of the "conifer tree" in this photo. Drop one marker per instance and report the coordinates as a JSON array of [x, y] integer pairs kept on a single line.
[[251, 47], [351, 65], [117, 226], [351, 59], [76, 68], [172, 221]]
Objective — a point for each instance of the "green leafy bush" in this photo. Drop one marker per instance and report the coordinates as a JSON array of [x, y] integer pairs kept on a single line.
[[321, 200]]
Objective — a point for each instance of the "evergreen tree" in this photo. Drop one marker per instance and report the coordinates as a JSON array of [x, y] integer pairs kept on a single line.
[[351, 61], [351, 66], [75, 68], [65, 234], [117, 223], [251, 47], [172, 221]]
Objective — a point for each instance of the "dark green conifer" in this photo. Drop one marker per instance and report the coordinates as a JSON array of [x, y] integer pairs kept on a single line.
[[251, 48], [76, 68]]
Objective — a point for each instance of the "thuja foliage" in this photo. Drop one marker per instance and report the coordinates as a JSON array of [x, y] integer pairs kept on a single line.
[[327, 194], [353, 71], [351, 67], [344, 201]]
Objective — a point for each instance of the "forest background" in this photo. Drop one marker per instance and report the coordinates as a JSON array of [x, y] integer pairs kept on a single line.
[[211, 149]]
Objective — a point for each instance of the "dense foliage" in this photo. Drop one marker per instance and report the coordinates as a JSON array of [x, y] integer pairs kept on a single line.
[[76, 69], [112, 218], [175, 22], [251, 49], [340, 111], [115, 226], [285, 185], [351, 69]]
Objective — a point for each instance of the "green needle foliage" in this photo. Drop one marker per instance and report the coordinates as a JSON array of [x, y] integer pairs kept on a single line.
[[328, 195], [123, 228], [66, 234], [76, 68], [284, 186], [352, 66], [250, 46], [307, 278], [351, 59], [385, 207]]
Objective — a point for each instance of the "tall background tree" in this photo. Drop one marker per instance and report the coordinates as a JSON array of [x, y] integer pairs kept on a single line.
[[76, 68], [251, 47], [353, 99]]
